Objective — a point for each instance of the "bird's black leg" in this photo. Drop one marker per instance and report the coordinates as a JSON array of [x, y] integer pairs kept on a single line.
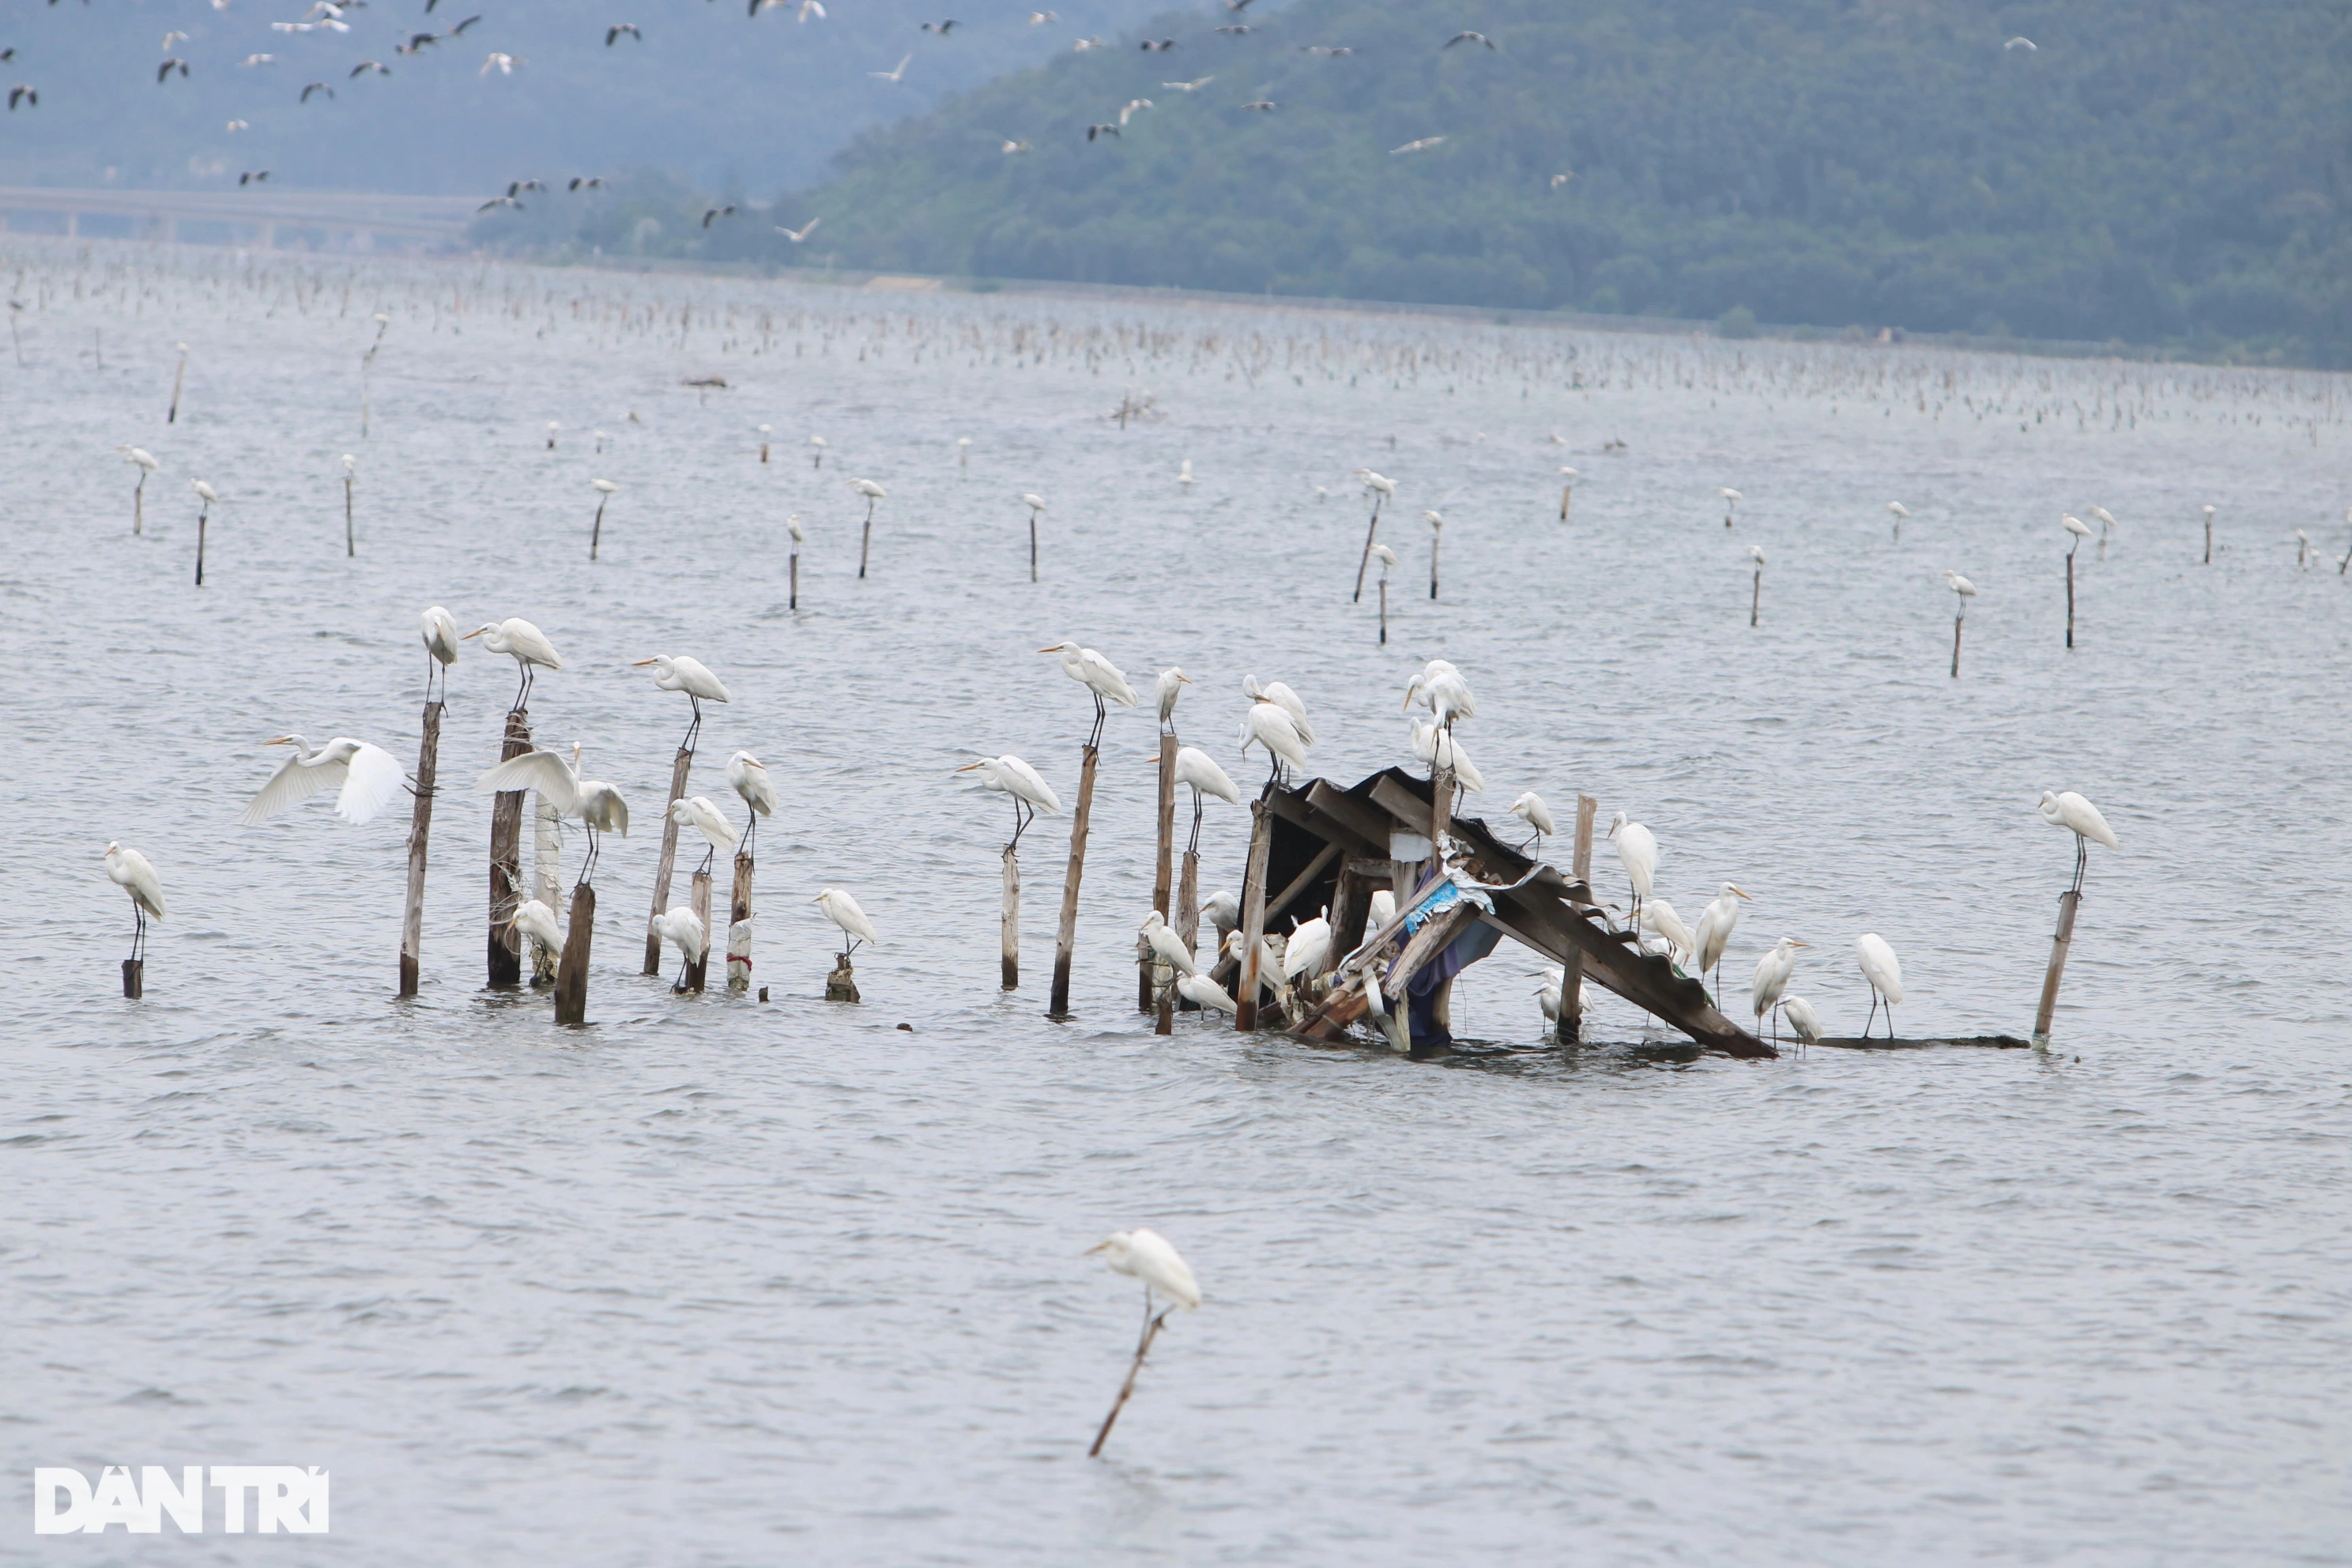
[[1193, 845], [1872, 1017]]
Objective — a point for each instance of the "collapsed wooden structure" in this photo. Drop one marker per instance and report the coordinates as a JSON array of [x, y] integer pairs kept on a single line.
[[1330, 849]]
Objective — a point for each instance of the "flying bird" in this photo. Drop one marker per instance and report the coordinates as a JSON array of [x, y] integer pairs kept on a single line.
[[1039, 18], [1263, 106], [1008, 147], [801, 233], [2020, 43], [1236, 28], [238, 125], [365, 66], [809, 8], [168, 66], [711, 213], [1192, 85], [1162, 48], [461, 28], [586, 183], [20, 92], [613, 33], [1562, 179], [599, 807], [416, 42], [365, 777], [503, 64], [942, 29], [893, 75], [1467, 36], [253, 176], [1095, 131], [316, 87], [502, 202], [170, 39], [259, 60], [1424, 142]]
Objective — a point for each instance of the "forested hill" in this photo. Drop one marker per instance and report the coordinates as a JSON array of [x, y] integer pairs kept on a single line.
[[2151, 170]]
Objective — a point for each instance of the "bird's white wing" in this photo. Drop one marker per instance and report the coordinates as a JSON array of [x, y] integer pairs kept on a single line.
[[373, 781], [542, 771], [291, 785]]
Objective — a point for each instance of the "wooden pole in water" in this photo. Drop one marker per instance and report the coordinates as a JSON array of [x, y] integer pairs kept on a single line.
[[1008, 922], [1437, 537], [1569, 1029], [1152, 994], [738, 926], [865, 539], [2208, 536], [547, 884], [178, 376], [1058, 1006], [420, 832], [700, 899], [1565, 493], [351, 546], [668, 860], [506, 860], [1384, 609], [1958, 616], [1371, 530], [1252, 915], [1756, 598], [204, 515], [135, 979], [2070, 598], [2068, 902], [572, 978]]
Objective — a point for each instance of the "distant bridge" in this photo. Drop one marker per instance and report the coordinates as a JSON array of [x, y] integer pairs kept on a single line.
[[316, 220]]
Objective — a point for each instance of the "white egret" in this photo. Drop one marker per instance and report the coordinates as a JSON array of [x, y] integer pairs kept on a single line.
[[598, 806], [1224, 912], [1637, 851], [211, 499], [1382, 489], [1197, 768], [525, 643], [1008, 774], [1167, 944], [1388, 560], [2075, 526], [135, 875], [748, 775], [1802, 1018], [533, 917], [1431, 745], [1204, 992], [1530, 809], [2080, 530], [365, 778], [1310, 941], [2065, 809], [692, 677], [1269, 724], [144, 461], [1885, 972], [605, 490], [1439, 686], [702, 814], [872, 492], [1145, 1255], [1548, 991], [1170, 686], [1731, 498], [1959, 585], [842, 911], [817, 451], [1378, 910], [683, 930], [1898, 511], [1716, 923], [2107, 525], [1278, 692], [441, 639], [1099, 677], [1772, 971], [1658, 916]]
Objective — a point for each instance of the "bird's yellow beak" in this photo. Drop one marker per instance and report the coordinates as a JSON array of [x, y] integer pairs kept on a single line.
[[469, 636], [967, 767], [1055, 649], [282, 740], [1794, 942], [1185, 679], [640, 663], [1097, 1247], [1743, 894]]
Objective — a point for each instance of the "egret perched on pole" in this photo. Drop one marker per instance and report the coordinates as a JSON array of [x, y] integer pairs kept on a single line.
[[1530, 809], [135, 875], [605, 490], [872, 492], [1731, 500], [1898, 511], [701, 813], [1440, 687], [2107, 525], [842, 911], [1963, 591], [1568, 478], [2209, 539], [2070, 811], [1772, 971], [684, 929], [2080, 530], [1145, 1255], [1885, 972], [692, 677], [1637, 851], [211, 499], [441, 639], [1380, 489], [1387, 559], [1170, 686], [1436, 522], [1008, 774], [748, 777], [1197, 768], [1035, 505], [598, 806], [1167, 944], [525, 643], [535, 919], [144, 461], [799, 538], [1716, 923], [817, 451], [365, 779], [1099, 677]]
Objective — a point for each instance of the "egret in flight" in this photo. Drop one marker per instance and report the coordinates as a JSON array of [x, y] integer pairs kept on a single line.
[[1196, 768], [1715, 927], [842, 911], [2070, 811], [1530, 809], [1772, 971], [1008, 774], [1885, 972], [441, 641], [599, 807], [692, 677], [135, 875], [1099, 677], [365, 778], [701, 813], [749, 776], [525, 643], [683, 930], [1637, 851]]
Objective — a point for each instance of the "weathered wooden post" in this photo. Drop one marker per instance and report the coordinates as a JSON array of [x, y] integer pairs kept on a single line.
[[351, 544], [1756, 594], [739, 923], [1568, 1027], [506, 860], [2209, 541], [420, 831], [1008, 922], [668, 860], [179, 376], [792, 527], [1441, 823], [135, 979], [547, 884], [2068, 902], [571, 978], [1437, 537], [699, 898], [1160, 872], [1252, 915], [2070, 598], [1958, 616], [1372, 531], [1058, 1004]]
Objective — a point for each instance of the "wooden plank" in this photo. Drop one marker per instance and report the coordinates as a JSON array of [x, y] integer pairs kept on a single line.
[[1410, 811], [1352, 813], [699, 899], [1329, 828], [1008, 921], [738, 926]]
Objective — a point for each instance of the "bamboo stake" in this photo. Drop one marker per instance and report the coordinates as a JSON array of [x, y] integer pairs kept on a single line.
[[572, 978], [794, 602], [1150, 1332], [204, 516], [668, 862], [506, 860], [2068, 902], [699, 898], [1009, 922], [177, 377], [1188, 902], [1384, 609], [1370, 530], [1565, 493], [738, 926], [1958, 617], [1437, 537], [547, 884], [2070, 598], [1058, 1006], [420, 833], [1755, 596], [1569, 1029], [350, 545], [1253, 917]]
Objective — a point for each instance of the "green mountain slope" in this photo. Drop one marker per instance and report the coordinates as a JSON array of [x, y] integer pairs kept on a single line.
[[2150, 169]]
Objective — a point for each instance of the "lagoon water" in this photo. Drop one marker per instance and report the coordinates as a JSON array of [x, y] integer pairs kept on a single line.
[[712, 1281]]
